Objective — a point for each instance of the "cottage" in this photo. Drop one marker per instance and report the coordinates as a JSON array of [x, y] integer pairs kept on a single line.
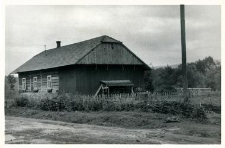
[[98, 65]]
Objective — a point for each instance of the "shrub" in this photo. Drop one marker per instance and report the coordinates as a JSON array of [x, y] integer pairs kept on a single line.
[[66, 102], [141, 105], [164, 107], [33, 103], [53, 104], [108, 105], [178, 108], [210, 107], [199, 114], [95, 105], [45, 104], [77, 103], [61, 102], [127, 106], [78, 106], [58, 103], [21, 101]]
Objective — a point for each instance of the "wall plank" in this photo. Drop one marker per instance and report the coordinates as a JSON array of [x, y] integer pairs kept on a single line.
[[85, 79], [41, 80], [110, 54]]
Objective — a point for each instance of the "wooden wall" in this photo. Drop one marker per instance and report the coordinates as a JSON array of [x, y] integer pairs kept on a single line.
[[41, 80], [85, 78], [108, 53]]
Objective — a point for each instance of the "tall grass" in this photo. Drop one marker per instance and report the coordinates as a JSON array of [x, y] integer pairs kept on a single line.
[[138, 102], [10, 95]]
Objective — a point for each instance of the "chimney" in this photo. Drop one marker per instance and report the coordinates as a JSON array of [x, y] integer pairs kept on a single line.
[[58, 44]]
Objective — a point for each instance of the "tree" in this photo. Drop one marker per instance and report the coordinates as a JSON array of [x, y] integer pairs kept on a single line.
[[164, 79], [11, 80], [213, 78], [203, 73], [212, 71], [149, 81], [195, 78], [205, 65]]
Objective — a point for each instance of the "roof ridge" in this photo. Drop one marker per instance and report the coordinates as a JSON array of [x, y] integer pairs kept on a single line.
[[77, 42], [105, 37]]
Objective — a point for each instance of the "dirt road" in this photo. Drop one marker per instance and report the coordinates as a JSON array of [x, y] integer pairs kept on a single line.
[[37, 131]]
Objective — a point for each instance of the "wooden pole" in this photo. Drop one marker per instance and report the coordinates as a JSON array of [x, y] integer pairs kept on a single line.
[[183, 45]]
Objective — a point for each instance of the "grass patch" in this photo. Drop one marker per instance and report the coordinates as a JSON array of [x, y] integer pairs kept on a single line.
[[118, 119], [71, 103], [125, 119]]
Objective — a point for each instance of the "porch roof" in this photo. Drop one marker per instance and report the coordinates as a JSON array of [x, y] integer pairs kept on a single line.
[[117, 82]]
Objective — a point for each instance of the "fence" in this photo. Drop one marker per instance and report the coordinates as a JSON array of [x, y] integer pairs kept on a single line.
[[209, 97], [212, 97]]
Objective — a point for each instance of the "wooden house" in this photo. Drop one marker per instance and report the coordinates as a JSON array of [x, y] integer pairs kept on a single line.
[[98, 65]]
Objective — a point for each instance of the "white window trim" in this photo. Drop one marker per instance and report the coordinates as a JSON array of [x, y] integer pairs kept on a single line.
[[49, 81], [34, 86], [35, 78], [24, 85]]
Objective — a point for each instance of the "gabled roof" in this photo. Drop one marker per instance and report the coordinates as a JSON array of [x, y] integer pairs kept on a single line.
[[64, 55]]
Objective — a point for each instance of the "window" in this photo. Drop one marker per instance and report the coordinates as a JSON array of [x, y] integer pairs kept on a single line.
[[34, 82], [49, 81], [23, 83]]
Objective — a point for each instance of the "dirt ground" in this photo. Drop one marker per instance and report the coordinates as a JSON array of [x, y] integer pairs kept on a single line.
[[38, 131]]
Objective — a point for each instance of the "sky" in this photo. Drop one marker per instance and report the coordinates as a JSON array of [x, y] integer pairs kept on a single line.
[[152, 32]]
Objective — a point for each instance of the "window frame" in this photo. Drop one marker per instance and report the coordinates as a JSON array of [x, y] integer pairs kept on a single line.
[[24, 85], [34, 82], [49, 82]]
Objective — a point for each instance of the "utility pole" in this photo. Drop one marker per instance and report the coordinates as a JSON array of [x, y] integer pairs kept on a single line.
[[183, 45]]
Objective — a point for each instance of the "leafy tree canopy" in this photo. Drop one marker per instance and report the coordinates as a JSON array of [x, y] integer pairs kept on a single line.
[[204, 73]]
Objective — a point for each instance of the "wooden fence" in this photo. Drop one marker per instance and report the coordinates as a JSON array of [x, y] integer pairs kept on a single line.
[[212, 97], [166, 95]]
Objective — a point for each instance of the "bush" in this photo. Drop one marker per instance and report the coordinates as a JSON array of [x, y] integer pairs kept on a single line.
[[66, 102], [210, 107], [178, 108], [95, 105], [33, 103], [127, 106], [108, 106], [53, 104], [45, 104], [199, 114], [166, 107], [143, 106], [21, 101], [78, 106]]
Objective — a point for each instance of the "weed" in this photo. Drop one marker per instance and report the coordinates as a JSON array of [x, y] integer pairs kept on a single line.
[[21, 101], [67, 102]]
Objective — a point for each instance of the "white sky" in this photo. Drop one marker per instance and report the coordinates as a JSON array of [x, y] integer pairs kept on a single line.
[[151, 32]]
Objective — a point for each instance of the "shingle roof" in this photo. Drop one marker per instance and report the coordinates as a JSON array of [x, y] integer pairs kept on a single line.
[[64, 55]]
